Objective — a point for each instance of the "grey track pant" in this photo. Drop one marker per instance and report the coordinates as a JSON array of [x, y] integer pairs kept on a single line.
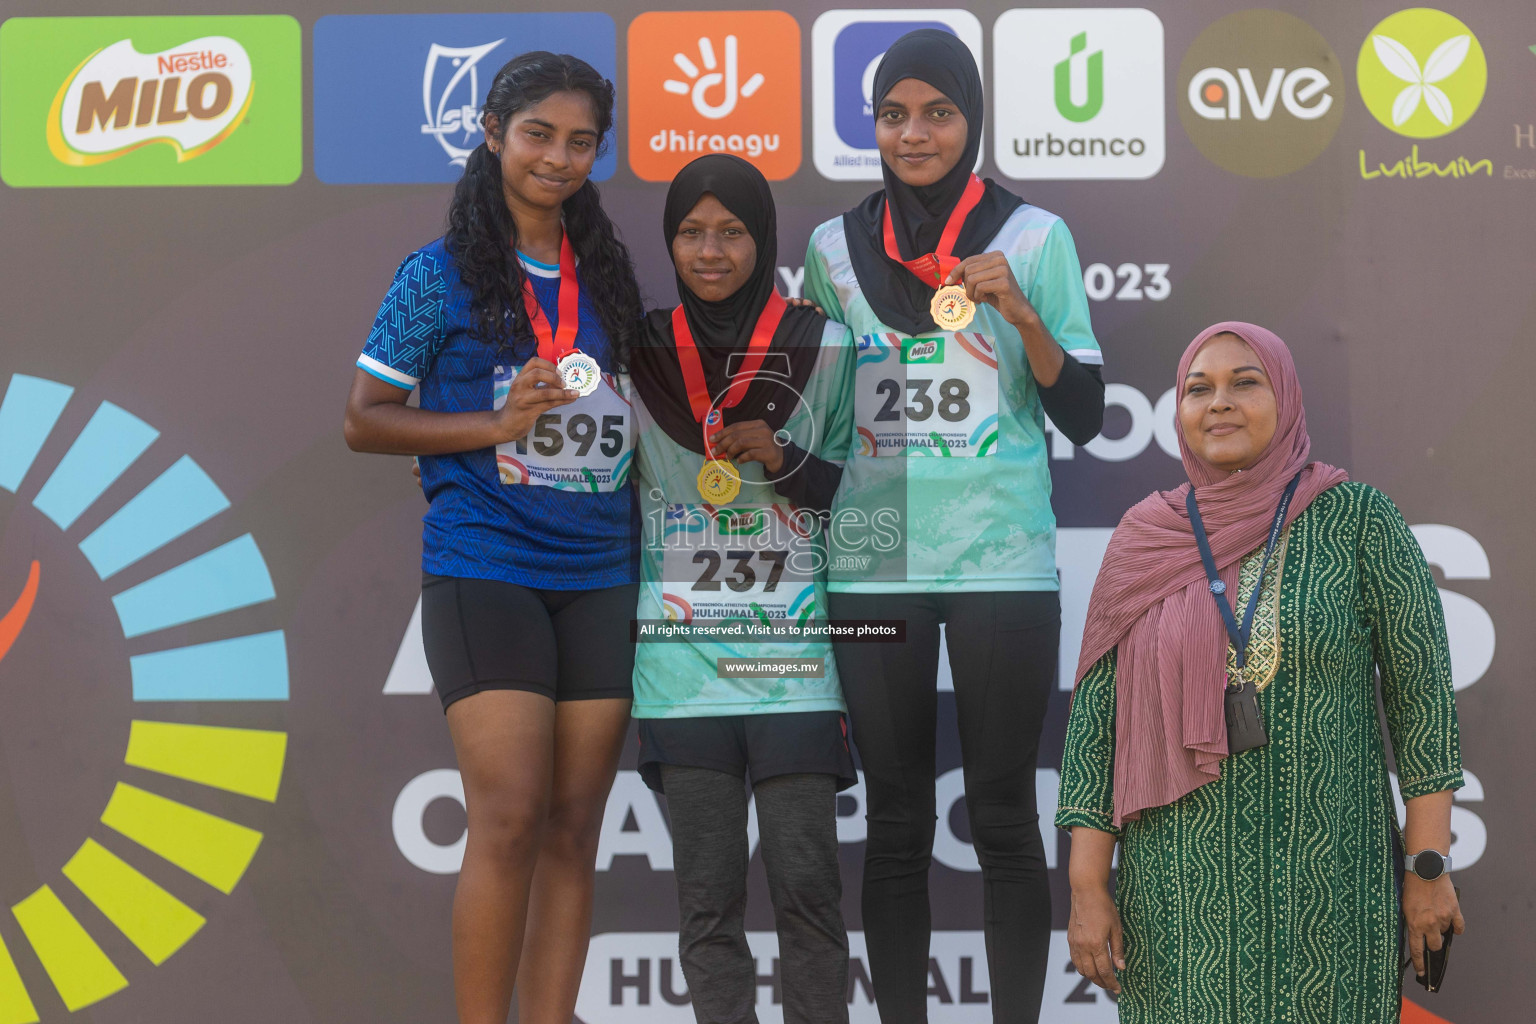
[[797, 820]]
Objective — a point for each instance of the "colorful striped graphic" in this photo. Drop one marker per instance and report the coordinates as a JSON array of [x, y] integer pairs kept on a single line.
[[249, 762]]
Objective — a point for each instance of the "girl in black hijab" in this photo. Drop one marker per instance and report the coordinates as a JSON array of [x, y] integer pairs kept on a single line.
[[977, 535], [731, 533]]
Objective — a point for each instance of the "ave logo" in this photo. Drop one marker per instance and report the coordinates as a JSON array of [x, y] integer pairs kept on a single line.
[[714, 82], [150, 101], [1262, 93]]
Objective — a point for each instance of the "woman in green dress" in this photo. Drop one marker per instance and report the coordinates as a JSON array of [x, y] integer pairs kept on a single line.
[[1265, 884]]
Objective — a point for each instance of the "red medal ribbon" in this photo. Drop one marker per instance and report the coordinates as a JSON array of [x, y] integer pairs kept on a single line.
[[693, 369], [932, 268], [554, 345]]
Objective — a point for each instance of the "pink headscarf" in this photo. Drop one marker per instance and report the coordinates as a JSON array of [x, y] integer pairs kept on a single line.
[[1153, 601]]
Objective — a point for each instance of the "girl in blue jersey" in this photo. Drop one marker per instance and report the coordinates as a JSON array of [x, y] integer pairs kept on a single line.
[[529, 583], [950, 458]]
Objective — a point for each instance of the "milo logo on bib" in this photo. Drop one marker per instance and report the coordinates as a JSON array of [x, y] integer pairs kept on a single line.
[[741, 522], [922, 350]]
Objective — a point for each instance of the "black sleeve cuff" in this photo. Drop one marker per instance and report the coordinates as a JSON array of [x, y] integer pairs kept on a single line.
[[813, 485], [1075, 403]]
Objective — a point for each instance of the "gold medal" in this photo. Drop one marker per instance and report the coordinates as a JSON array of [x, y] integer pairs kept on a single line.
[[951, 309], [718, 482]]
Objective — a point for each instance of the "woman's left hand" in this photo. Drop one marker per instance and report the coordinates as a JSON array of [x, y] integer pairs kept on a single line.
[[749, 441], [988, 278], [806, 302], [1430, 910]]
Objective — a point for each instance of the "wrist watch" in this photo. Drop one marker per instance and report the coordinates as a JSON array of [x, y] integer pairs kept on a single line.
[[1427, 864]]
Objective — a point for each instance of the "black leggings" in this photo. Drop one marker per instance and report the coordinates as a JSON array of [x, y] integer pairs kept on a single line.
[[1002, 652]]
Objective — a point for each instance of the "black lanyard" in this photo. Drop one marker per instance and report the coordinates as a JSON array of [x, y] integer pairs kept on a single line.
[[1239, 636]]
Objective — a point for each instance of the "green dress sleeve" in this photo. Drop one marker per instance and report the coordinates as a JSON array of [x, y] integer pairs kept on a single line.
[[1402, 607], [1088, 764], [1055, 289], [818, 283], [839, 423]]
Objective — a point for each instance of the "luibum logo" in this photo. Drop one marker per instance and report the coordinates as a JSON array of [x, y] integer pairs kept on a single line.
[[190, 97], [150, 101], [1422, 74], [1263, 94]]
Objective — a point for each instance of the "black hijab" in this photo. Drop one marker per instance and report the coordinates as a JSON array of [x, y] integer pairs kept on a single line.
[[723, 329], [895, 294]]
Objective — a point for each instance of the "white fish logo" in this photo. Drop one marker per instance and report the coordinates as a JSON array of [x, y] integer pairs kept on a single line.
[[702, 82], [1444, 62], [443, 119], [190, 97]]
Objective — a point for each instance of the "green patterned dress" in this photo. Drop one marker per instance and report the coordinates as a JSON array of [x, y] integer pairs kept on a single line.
[[1270, 894]]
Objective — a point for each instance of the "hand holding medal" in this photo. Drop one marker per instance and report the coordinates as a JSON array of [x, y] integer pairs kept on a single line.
[[986, 277], [718, 480]]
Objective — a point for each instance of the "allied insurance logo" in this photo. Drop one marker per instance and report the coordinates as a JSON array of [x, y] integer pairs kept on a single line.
[[714, 82], [149, 101], [398, 97], [1081, 94], [846, 48], [1260, 93]]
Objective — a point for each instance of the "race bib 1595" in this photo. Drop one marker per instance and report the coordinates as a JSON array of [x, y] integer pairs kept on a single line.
[[584, 446]]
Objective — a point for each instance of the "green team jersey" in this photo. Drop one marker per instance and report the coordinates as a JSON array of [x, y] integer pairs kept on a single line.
[[757, 559], [948, 486]]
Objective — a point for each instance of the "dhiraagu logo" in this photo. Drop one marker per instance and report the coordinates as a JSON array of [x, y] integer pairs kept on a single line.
[[184, 684], [150, 101], [1422, 73], [922, 350]]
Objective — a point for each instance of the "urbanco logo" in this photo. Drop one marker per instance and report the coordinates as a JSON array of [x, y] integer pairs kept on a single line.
[[714, 82], [1261, 93], [150, 101], [399, 97], [1080, 94], [1422, 73], [846, 49]]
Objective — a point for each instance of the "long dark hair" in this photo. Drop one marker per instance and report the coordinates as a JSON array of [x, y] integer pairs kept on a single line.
[[482, 235]]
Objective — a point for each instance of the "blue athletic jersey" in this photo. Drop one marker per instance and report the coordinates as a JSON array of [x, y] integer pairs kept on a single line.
[[477, 526]]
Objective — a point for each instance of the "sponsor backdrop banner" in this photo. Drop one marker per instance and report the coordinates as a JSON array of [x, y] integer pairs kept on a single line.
[[226, 789]]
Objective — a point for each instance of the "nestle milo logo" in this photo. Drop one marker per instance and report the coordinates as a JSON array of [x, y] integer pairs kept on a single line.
[[740, 522], [922, 350], [107, 100]]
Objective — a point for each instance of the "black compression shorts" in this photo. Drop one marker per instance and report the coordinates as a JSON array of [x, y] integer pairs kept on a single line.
[[490, 635]]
